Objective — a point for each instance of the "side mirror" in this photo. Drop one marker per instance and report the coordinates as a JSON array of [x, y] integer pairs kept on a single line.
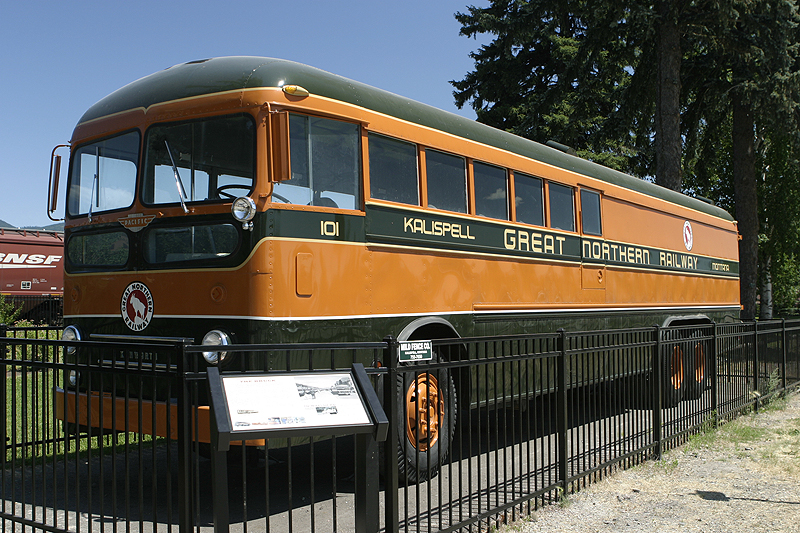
[[52, 183]]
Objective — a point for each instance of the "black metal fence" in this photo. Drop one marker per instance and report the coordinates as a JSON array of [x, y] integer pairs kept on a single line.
[[117, 439]]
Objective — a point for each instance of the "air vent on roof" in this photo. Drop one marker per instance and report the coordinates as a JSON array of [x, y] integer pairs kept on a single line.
[[563, 147]]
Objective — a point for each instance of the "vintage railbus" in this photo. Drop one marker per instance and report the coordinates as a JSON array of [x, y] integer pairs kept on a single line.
[[254, 200], [32, 273]]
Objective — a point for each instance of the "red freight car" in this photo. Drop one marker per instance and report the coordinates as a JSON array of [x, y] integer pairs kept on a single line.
[[32, 273]]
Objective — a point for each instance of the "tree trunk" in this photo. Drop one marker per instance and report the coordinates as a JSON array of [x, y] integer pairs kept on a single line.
[[746, 203], [765, 311], [668, 112]]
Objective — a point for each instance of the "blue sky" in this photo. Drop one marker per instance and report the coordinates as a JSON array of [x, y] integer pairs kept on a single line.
[[58, 58]]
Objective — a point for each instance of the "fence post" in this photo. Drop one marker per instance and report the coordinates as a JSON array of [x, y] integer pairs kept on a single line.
[[390, 466], [3, 395], [785, 368], [563, 423], [756, 384], [714, 370], [367, 504], [185, 515], [657, 383]]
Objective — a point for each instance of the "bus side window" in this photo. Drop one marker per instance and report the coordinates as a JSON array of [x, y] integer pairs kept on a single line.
[[491, 191], [591, 223], [529, 198], [447, 181], [325, 164], [562, 207], [393, 170]]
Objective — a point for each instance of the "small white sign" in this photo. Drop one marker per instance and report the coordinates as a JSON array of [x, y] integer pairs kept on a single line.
[[416, 351], [293, 401]]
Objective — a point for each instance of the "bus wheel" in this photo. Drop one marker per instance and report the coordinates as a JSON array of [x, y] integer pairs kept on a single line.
[[426, 421], [674, 378], [696, 373]]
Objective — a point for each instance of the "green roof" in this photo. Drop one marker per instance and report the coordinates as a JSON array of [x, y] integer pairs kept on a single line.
[[236, 73]]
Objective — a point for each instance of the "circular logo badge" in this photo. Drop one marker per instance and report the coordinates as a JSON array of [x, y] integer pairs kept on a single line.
[[137, 306], [688, 237]]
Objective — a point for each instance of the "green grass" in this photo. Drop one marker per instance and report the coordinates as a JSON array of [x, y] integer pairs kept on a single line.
[[750, 437], [29, 417]]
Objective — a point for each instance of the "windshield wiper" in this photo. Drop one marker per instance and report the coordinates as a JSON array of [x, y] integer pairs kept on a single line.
[[178, 182], [95, 181]]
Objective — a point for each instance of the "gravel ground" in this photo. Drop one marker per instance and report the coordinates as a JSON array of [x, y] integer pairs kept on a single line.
[[743, 477]]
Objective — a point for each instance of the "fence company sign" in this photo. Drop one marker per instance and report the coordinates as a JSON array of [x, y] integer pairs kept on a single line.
[[416, 351]]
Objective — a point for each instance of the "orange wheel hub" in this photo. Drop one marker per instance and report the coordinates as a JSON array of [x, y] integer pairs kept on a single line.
[[677, 368], [700, 363], [424, 412]]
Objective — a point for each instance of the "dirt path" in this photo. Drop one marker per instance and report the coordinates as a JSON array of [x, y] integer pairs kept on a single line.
[[744, 477]]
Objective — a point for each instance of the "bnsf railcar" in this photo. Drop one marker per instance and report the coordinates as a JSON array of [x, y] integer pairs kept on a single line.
[[32, 273]]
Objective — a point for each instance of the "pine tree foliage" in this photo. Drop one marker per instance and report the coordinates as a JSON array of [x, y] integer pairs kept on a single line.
[[588, 75], [540, 78]]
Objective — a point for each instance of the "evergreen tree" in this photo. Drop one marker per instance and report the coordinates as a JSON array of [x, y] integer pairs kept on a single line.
[[539, 79], [743, 63], [610, 77]]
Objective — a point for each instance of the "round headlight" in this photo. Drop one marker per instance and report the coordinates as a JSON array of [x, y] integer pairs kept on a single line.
[[216, 337], [243, 209], [71, 333]]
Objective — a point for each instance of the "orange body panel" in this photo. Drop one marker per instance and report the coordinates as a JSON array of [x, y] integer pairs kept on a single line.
[[115, 413], [352, 280], [288, 278]]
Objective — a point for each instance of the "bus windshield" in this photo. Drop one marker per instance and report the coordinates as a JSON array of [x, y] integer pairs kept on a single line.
[[103, 176], [208, 160]]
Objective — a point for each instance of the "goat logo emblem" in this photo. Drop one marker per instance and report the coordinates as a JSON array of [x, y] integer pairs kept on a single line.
[[688, 236], [137, 306]]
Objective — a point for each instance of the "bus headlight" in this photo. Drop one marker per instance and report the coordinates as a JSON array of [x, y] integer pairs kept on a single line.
[[73, 378], [216, 337], [71, 333], [243, 210]]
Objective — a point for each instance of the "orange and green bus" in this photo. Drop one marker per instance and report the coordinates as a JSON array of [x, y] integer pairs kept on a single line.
[[253, 200]]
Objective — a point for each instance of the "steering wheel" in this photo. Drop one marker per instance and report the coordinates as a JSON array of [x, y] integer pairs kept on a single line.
[[222, 191]]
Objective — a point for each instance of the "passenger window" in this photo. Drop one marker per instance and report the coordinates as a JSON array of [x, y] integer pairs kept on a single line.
[[393, 170], [447, 181], [326, 164], [529, 199], [562, 207], [590, 213], [491, 191]]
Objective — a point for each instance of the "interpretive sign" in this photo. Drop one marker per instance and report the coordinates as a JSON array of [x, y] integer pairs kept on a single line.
[[293, 401], [247, 406]]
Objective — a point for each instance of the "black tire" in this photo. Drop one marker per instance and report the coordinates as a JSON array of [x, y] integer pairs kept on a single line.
[[673, 376], [423, 441], [696, 372]]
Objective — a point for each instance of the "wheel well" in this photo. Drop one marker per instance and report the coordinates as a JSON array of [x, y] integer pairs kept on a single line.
[[693, 320], [432, 328], [428, 328]]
